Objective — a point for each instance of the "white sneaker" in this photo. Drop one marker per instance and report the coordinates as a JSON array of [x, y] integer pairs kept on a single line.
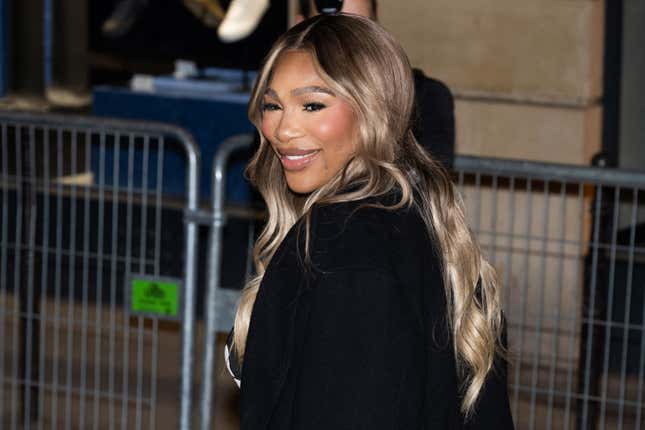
[[242, 18]]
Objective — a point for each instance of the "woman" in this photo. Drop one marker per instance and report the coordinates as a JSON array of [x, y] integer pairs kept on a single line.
[[373, 307]]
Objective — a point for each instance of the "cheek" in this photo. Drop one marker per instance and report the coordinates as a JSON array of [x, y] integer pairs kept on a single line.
[[337, 130], [267, 127]]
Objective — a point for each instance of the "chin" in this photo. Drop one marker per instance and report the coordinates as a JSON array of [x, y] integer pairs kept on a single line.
[[302, 187]]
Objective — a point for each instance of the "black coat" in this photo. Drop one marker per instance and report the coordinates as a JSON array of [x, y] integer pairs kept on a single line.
[[357, 337], [434, 118]]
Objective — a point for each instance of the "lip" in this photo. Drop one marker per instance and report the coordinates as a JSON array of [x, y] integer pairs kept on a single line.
[[304, 158]]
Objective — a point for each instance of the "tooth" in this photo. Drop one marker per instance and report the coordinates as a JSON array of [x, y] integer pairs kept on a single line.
[[298, 157]]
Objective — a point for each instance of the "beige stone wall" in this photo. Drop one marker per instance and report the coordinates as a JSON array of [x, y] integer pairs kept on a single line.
[[527, 75], [497, 128], [546, 48]]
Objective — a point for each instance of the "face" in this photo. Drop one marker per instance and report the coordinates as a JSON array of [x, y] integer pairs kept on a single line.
[[311, 130]]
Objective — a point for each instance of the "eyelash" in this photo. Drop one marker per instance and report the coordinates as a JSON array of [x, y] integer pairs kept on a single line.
[[307, 107], [269, 107], [314, 107]]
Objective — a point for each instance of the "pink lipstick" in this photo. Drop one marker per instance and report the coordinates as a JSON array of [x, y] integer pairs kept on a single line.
[[297, 159]]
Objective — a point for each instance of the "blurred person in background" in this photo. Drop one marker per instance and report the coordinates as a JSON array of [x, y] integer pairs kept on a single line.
[[234, 22]]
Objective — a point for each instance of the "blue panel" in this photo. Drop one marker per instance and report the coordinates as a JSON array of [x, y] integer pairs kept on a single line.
[[210, 120]]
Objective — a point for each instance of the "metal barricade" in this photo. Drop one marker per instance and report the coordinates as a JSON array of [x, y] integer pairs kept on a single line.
[[220, 305], [567, 242], [97, 271]]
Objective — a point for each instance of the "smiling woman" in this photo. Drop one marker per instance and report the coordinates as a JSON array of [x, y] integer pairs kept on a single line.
[[312, 131], [373, 307]]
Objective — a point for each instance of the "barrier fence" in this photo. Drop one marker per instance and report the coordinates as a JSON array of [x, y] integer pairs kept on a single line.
[[89, 275], [567, 242]]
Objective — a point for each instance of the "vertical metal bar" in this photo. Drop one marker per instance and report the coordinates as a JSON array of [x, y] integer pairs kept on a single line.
[[556, 332], [641, 371], [3, 258], [188, 328], [31, 338], [478, 202], [158, 205], [214, 270], [96, 409], [591, 319], [214, 264], [574, 320], [509, 250], [542, 283], [85, 284], [142, 269], [113, 276], [493, 221], [610, 303], [523, 301], [16, 285], [44, 280], [128, 269], [511, 237], [157, 256], [628, 301], [57, 275], [71, 289]]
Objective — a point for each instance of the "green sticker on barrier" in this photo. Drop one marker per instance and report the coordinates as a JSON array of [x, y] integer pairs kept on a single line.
[[155, 297]]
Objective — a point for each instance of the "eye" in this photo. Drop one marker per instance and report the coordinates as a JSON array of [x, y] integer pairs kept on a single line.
[[313, 107], [270, 107]]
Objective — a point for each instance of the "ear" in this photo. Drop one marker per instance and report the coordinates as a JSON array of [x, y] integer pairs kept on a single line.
[[299, 18]]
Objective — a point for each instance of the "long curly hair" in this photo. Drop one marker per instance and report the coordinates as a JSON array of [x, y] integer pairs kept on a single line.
[[365, 65]]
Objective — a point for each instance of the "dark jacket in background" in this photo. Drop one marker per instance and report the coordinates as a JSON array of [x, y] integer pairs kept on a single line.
[[358, 338], [434, 119]]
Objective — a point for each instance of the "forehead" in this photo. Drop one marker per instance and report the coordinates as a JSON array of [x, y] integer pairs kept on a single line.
[[294, 69]]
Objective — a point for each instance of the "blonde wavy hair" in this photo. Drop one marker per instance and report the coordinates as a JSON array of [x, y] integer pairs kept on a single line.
[[363, 64]]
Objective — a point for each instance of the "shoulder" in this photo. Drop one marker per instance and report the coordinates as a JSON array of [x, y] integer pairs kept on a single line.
[[359, 234], [427, 87]]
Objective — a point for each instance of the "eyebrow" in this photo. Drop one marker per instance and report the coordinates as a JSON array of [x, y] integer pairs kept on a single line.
[[302, 90]]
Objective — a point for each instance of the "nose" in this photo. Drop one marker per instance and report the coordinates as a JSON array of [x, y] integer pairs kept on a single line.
[[289, 127]]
